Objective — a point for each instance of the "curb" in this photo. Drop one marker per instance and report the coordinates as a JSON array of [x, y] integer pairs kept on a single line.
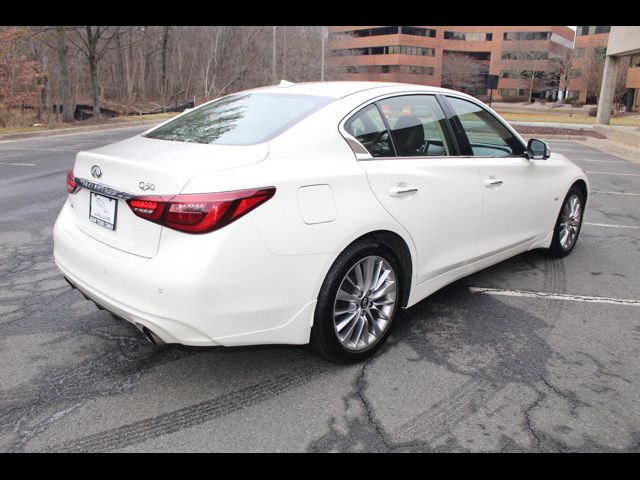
[[544, 136], [72, 130]]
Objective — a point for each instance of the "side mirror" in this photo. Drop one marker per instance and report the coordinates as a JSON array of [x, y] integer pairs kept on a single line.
[[537, 149]]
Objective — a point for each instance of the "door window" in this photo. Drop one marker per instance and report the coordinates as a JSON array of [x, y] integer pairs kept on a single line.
[[417, 125], [487, 136]]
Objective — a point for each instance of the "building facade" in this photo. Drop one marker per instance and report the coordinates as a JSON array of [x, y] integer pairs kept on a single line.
[[523, 57], [587, 68]]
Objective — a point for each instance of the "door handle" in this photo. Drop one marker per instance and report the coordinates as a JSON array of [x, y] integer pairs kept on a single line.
[[493, 182], [398, 191]]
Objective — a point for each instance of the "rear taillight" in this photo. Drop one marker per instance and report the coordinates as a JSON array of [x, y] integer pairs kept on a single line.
[[72, 186], [200, 212]]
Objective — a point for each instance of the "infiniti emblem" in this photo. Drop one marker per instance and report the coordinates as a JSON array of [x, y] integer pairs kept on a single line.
[[96, 171]]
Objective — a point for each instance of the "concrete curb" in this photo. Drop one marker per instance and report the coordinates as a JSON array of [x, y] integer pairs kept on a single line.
[[544, 136], [611, 147], [625, 136], [568, 126], [72, 130]]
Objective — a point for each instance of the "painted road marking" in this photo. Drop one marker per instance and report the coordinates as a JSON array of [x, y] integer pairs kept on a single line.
[[617, 193], [555, 296], [18, 164], [37, 149], [614, 173], [601, 161], [609, 225]]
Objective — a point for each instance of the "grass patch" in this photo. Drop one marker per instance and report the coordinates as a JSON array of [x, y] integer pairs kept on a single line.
[[104, 121], [577, 119]]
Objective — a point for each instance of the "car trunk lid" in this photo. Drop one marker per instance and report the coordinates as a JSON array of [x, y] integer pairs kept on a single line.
[[142, 166]]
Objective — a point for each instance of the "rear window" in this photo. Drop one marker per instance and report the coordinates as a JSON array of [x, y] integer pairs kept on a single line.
[[243, 119]]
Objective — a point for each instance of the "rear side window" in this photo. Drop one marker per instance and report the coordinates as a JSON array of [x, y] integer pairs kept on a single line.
[[243, 119], [417, 125], [369, 129]]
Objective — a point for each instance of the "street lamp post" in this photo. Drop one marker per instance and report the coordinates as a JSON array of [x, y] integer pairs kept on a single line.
[[273, 63], [322, 54]]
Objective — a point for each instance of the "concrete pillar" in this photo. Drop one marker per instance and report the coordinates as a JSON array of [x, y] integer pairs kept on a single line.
[[607, 89]]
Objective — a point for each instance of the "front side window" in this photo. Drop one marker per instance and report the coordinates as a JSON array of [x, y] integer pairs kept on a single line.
[[369, 129], [488, 137], [243, 119], [417, 125]]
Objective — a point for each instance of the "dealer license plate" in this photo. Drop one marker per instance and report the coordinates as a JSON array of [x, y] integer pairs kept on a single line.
[[102, 211]]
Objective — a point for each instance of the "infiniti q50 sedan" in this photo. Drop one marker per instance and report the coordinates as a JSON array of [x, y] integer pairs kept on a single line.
[[308, 213]]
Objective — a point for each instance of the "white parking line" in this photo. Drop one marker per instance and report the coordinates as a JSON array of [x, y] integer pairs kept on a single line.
[[616, 193], [554, 296], [18, 164], [609, 225], [614, 173], [601, 161]]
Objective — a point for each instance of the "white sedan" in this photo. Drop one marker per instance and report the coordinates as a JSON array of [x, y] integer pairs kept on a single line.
[[308, 213]]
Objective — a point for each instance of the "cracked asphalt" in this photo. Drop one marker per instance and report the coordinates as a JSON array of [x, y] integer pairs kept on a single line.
[[462, 371]]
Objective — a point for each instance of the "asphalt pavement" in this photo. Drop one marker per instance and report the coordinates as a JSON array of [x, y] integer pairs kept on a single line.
[[533, 354]]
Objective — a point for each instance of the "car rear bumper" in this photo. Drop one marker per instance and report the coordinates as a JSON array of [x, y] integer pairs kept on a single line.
[[223, 288]]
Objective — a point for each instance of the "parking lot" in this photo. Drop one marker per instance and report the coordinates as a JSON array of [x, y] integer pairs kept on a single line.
[[533, 354]]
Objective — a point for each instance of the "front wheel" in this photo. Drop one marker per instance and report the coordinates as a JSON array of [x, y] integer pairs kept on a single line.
[[569, 223], [357, 303]]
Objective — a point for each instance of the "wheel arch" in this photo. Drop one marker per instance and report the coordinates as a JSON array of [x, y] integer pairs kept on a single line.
[[400, 247], [582, 185]]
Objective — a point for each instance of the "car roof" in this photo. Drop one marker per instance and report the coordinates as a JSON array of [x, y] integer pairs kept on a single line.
[[341, 89]]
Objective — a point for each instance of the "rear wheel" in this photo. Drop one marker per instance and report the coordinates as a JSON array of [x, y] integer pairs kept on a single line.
[[569, 223], [357, 303]]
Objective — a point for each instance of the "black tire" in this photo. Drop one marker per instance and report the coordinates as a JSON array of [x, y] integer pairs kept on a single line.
[[324, 339], [557, 249]]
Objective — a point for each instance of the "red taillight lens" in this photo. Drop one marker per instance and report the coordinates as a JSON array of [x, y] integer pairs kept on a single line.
[[201, 212], [146, 208], [72, 186]]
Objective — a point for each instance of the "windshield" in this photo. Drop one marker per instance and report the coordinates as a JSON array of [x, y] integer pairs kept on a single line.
[[242, 119]]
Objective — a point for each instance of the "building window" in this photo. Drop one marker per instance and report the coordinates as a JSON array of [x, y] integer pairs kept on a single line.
[[526, 36], [468, 36], [389, 50], [420, 32], [412, 69], [592, 30], [528, 55], [634, 61], [372, 32], [508, 74], [578, 53], [575, 73], [512, 92]]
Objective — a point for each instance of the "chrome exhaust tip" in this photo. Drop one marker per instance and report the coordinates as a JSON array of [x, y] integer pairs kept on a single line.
[[152, 337]]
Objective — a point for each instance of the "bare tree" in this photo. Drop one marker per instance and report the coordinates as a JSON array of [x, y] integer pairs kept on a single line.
[[62, 47], [528, 65], [462, 72], [149, 68], [94, 42], [20, 76], [557, 76], [590, 77]]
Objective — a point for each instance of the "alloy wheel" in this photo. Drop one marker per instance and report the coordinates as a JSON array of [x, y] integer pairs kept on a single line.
[[365, 303], [570, 221]]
